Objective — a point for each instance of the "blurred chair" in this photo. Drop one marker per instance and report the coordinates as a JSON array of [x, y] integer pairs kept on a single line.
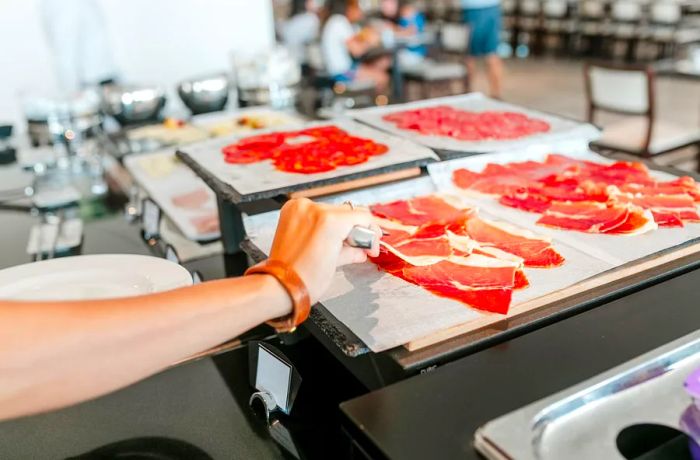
[[529, 24], [447, 70], [668, 30], [453, 40], [594, 26], [626, 27], [327, 93], [509, 12], [629, 90], [557, 22], [431, 76]]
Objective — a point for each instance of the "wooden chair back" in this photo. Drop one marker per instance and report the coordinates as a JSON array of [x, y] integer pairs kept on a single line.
[[624, 89]]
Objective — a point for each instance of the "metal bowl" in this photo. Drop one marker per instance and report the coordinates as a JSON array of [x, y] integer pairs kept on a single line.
[[203, 95], [133, 104]]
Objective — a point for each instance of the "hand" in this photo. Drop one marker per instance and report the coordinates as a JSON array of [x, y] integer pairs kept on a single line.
[[310, 239]]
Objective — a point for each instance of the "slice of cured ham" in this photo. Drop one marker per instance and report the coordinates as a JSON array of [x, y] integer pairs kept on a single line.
[[191, 200], [481, 282], [536, 252], [464, 125], [458, 255], [629, 200], [593, 217], [668, 210], [419, 211]]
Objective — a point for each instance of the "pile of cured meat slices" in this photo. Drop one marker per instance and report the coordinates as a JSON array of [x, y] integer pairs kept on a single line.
[[570, 194], [306, 151], [467, 126], [452, 252]]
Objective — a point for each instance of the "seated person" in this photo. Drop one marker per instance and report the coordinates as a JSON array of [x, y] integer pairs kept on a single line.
[[342, 45], [302, 28], [408, 23]]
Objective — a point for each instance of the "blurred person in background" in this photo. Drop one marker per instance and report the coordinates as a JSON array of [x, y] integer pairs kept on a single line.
[[77, 36], [408, 23], [344, 42], [302, 28], [484, 20]]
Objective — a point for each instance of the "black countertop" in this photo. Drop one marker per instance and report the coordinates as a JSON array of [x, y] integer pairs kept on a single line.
[[192, 403], [436, 414]]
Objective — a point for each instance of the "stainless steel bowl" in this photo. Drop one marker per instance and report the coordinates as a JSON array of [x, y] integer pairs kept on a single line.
[[133, 104], [203, 95]]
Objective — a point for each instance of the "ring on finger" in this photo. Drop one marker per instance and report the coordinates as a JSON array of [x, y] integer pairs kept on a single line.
[[349, 203]]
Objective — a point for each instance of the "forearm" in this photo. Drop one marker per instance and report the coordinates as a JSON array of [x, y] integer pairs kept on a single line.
[[56, 354], [357, 47]]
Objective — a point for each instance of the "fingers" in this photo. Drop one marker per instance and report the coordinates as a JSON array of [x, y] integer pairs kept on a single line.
[[350, 255], [374, 251]]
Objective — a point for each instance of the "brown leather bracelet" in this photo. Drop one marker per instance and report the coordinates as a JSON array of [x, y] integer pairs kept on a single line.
[[295, 287]]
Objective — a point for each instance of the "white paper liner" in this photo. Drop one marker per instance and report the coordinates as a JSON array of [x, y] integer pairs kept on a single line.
[[561, 129], [262, 176], [613, 249], [163, 189], [278, 118], [385, 311]]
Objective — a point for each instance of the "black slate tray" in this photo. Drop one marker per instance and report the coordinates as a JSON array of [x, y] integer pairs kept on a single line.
[[229, 193]]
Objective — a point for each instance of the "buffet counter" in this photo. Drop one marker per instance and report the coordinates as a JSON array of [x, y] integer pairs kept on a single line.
[[436, 415]]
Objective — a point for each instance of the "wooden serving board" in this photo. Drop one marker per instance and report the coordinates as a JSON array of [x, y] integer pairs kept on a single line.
[[357, 184], [692, 248]]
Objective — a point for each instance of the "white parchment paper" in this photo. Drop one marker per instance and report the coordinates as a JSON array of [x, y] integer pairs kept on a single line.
[[163, 189], [561, 128], [385, 311], [262, 176]]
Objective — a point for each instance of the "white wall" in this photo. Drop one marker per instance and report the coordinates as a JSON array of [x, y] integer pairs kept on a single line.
[[154, 41]]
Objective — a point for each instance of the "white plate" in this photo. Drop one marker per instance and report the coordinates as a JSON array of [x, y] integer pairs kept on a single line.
[[91, 277]]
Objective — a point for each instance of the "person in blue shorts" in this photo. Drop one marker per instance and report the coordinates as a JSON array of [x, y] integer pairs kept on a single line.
[[484, 20]]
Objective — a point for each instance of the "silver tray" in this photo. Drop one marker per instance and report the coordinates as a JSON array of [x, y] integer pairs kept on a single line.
[[583, 422]]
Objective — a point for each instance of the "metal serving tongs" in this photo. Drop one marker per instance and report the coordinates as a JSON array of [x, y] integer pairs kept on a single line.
[[362, 237]]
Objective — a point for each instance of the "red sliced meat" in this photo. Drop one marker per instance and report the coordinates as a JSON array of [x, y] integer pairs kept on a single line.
[[668, 210], [585, 216], [206, 224], [493, 300], [413, 247], [667, 218], [398, 211], [191, 200], [464, 125], [636, 219], [536, 253], [437, 208], [472, 276], [307, 151], [419, 211]]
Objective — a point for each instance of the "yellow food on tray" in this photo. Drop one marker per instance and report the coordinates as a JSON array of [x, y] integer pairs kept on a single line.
[[159, 166], [170, 132], [246, 123]]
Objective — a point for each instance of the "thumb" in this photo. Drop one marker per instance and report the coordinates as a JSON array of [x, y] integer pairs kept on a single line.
[[350, 255]]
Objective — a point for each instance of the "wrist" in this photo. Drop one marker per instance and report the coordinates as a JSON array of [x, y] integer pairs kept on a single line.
[[278, 302], [295, 287]]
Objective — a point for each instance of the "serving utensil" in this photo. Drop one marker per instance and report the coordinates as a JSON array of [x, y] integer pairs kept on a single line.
[[205, 94], [133, 104]]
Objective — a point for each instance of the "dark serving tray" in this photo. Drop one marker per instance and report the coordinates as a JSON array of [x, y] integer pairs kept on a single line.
[[376, 370]]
